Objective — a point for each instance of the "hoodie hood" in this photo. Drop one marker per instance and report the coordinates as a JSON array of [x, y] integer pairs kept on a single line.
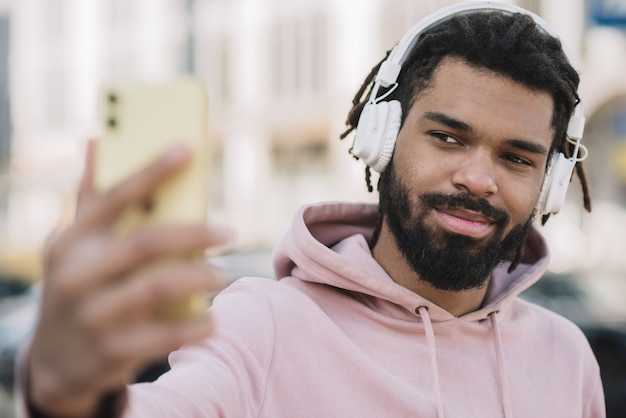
[[329, 244]]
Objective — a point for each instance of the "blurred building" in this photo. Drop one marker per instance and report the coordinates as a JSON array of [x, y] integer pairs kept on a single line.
[[281, 75]]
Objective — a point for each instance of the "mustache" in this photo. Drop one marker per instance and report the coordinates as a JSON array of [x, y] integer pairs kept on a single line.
[[465, 201]]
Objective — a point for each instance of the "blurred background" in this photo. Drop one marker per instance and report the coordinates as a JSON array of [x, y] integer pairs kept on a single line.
[[281, 75]]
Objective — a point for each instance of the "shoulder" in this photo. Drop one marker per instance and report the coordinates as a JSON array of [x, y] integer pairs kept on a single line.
[[254, 299], [556, 338], [258, 292], [556, 332], [545, 320]]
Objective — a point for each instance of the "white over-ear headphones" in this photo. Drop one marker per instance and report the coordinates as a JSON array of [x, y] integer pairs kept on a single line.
[[380, 120]]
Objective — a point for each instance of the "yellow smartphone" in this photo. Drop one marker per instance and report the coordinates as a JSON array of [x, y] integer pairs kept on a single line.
[[140, 121]]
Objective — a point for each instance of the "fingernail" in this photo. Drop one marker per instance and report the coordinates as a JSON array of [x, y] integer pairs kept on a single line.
[[176, 154]]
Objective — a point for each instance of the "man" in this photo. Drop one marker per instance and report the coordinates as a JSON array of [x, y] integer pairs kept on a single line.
[[404, 309]]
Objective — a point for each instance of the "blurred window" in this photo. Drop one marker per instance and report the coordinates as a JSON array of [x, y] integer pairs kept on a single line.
[[54, 18], [300, 173], [299, 55], [55, 95], [213, 65], [5, 104], [606, 130], [120, 11]]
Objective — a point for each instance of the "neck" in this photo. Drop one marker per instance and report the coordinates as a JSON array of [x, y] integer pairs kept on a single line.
[[390, 258]]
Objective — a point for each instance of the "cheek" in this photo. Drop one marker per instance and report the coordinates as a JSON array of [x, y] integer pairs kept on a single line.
[[424, 172], [520, 203]]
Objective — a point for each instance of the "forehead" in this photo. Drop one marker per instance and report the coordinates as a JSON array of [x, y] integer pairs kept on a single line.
[[487, 101]]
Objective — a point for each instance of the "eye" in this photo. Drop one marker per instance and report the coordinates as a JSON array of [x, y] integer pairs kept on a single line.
[[516, 159], [444, 138]]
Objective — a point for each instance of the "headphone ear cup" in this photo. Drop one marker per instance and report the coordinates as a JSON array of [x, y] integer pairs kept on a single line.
[[376, 133], [554, 189]]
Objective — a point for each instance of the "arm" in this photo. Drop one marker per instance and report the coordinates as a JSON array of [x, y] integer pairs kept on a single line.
[[96, 326]]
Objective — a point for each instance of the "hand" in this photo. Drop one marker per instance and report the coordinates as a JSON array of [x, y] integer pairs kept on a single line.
[[97, 326]]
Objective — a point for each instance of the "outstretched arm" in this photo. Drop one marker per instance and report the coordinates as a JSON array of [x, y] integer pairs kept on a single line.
[[97, 326]]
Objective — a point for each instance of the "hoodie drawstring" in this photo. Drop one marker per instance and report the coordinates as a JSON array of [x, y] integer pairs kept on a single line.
[[504, 381], [422, 311]]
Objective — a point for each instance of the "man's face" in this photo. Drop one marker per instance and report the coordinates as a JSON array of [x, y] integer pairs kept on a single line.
[[466, 174]]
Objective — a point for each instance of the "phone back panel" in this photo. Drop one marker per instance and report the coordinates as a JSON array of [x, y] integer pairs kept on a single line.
[[140, 122]]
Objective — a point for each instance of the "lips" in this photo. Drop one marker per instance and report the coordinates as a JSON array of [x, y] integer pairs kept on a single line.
[[464, 222], [467, 215]]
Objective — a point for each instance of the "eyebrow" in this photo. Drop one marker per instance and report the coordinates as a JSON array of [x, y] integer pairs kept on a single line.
[[459, 125], [448, 121], [527, 146]]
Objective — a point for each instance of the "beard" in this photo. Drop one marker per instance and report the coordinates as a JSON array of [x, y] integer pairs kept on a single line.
[[445, 260]]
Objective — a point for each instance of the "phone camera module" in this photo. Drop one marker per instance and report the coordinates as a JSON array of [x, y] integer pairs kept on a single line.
[[112, 97]]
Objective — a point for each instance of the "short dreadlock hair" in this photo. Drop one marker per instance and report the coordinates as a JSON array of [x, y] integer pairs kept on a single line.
[[509, 44]]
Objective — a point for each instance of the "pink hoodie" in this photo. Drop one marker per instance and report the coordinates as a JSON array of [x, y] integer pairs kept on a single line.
[[337, 337]]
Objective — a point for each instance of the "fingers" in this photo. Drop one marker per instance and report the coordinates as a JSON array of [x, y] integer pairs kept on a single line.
[[134, 300], [101, 210], [104, 258], [101, 256], [86, 187]]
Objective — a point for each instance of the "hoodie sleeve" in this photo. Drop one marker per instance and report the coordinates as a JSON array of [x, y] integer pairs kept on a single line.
[[223, 375]]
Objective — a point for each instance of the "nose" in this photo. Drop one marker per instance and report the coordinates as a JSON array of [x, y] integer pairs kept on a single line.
[[476, 175]]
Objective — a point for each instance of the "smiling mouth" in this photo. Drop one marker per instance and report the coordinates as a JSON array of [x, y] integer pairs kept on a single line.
[[467, 215], [465, 222]]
